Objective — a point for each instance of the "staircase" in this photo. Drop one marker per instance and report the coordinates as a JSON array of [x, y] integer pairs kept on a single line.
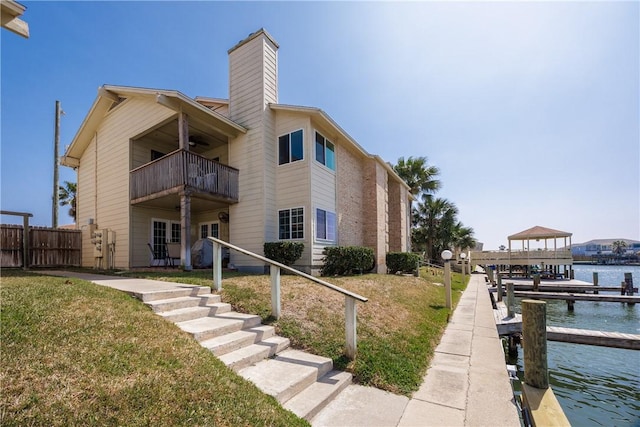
[[303, 383]]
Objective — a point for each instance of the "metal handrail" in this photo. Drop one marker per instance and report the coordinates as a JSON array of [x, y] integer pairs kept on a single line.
[[275, 267]]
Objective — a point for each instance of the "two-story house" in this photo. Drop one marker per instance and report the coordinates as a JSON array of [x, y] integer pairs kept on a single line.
[[157, 166]]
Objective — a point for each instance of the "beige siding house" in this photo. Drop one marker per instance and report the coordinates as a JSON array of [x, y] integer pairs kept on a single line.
[[155, 167]]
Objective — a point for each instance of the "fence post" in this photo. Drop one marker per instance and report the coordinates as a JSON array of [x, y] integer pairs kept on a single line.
[[534, 331], [25, 242], [217, 266], [447, 283], [595, 281], [510, 300], [275, 290], [350, 326]]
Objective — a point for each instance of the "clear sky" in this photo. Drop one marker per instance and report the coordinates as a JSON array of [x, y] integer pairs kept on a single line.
[[529, 109]]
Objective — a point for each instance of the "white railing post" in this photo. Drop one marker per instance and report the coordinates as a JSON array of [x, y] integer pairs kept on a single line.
[[217, 266], [350, 326], [275, 290]]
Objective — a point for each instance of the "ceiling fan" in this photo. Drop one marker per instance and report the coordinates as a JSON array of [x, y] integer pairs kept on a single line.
[[197, 140]]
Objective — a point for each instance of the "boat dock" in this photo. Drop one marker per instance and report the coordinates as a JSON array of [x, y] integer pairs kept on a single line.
[[511, 326]]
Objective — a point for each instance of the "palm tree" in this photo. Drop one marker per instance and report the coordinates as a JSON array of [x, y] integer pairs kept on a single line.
[[418, 175], [619, 247], [463, 237], [67, 196], [434, 218]]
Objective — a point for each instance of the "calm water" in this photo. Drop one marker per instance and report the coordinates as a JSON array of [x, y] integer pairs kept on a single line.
[[596, 386]]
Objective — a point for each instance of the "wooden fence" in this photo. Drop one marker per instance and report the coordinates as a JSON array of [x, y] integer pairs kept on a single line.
[[47, 247]]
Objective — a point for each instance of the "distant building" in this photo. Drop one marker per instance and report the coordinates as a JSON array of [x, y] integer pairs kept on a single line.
[[603, 247]]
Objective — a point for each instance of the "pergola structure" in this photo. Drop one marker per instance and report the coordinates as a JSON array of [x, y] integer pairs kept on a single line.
[[538, 233], [547, 260]]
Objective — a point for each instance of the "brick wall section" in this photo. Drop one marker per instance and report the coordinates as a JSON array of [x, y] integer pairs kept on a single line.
[[376, 215], [398, 217], [350, 193]]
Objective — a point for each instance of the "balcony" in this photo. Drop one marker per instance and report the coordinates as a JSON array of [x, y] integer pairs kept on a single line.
[[185, 171]]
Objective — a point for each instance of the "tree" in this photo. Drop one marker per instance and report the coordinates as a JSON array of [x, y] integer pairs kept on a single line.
[[67, 196], [619, 247], [418, 175]]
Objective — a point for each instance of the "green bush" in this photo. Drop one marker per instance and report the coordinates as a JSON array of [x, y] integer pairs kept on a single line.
[[405, 262], [284, 252], [347, 260]]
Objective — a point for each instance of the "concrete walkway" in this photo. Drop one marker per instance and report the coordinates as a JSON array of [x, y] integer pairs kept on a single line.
[[466, 385]]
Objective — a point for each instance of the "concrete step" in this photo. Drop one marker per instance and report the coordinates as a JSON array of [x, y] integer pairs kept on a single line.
[[210, 327], [254, 353], [297, 357], [249, 320], [280, 379], [169, 304], [186, 291], [230, 342], [314, 398], [191, 313]]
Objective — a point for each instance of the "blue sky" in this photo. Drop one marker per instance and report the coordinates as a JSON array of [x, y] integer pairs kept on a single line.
[[529, 109]]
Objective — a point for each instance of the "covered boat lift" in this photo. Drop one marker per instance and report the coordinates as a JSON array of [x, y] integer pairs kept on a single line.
[[546, 261]]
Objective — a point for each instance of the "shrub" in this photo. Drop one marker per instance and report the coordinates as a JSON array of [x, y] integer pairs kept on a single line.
[[405, 262], [284, 252], [346, 260]]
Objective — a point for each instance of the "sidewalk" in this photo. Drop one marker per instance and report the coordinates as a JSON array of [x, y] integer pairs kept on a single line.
[[466, 385]]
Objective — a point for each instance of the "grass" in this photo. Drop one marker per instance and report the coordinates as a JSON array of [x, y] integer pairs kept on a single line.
[[73, 354], [398, 328]]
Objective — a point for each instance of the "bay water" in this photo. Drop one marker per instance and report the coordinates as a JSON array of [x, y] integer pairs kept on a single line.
[[596, 386]]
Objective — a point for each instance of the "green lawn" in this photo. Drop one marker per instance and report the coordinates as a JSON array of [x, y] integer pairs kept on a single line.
[[398, 328], [76, 354], [73, 353]]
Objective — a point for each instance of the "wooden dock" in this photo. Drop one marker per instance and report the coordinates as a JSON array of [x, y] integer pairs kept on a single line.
[[509, 326], [578, 297], [599, 338], [568, 288]]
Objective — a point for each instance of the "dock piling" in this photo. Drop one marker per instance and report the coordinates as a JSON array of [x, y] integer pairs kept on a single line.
[[595, 281], [534, 330], [499, 285], [510, 300], [536, 282]]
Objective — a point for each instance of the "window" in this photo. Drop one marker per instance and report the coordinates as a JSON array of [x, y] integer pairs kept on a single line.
[[155, 155], [325, 152], [291, 223], [325, 225], [290, 147], [210, 230], [164, 231]]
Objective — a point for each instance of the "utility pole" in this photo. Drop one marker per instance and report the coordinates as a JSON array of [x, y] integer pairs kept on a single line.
[[56, 143]]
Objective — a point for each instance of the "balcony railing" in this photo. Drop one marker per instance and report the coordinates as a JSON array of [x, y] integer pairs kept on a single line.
[[184, 170], [519, 256]]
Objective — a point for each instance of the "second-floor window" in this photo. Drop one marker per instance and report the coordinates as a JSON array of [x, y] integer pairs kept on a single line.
[[325, 152], [290, 147], [291, 223]]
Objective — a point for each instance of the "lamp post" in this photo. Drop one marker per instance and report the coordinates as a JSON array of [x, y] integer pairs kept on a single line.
[[463, 257], [446, 256]]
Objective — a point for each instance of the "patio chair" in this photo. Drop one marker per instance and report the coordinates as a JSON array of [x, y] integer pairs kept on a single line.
[[157, 256], [173, 252]]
